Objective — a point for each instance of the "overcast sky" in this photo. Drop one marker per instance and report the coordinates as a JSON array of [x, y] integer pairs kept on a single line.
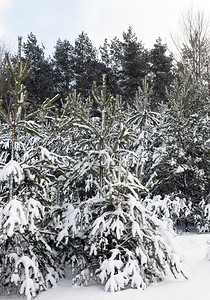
[[100, 19]]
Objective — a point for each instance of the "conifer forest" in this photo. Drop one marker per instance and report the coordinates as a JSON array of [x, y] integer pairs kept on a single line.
[[104, 156]]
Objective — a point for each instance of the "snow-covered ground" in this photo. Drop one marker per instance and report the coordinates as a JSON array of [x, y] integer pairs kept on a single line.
[[194, 248]]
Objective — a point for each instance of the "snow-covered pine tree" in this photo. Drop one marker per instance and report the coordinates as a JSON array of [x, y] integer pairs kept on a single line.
[[181, 154], [116, 240], [27, 261], [147, 124]]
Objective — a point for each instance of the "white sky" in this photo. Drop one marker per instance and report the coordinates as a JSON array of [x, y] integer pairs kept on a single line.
[[100, 19]]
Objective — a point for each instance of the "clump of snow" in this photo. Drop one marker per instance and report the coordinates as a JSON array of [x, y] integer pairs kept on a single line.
[[35, 211], [180, 169], [117, 275], [15, 216], [12, 168]]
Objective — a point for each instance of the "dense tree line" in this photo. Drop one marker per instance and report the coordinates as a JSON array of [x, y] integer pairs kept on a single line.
[[126, 62]]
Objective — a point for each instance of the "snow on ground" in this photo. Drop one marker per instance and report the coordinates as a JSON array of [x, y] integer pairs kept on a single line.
[[194, 248]]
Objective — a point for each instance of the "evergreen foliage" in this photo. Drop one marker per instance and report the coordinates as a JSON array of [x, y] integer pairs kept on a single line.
[[117, 241], [126, 62], [85, 64], [107, 67], [135, 63], [98, 184], [39, 83], [182, 153], [161, 72], [63, 67], [27, 262]]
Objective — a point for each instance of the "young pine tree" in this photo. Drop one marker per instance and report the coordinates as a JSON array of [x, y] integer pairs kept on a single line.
[[27, 261], [116, 241], [182, 152]]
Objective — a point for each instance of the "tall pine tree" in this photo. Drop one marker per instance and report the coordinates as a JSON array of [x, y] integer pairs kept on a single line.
[[161, 72], [85, 64], [39, 83], [63, 67]]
